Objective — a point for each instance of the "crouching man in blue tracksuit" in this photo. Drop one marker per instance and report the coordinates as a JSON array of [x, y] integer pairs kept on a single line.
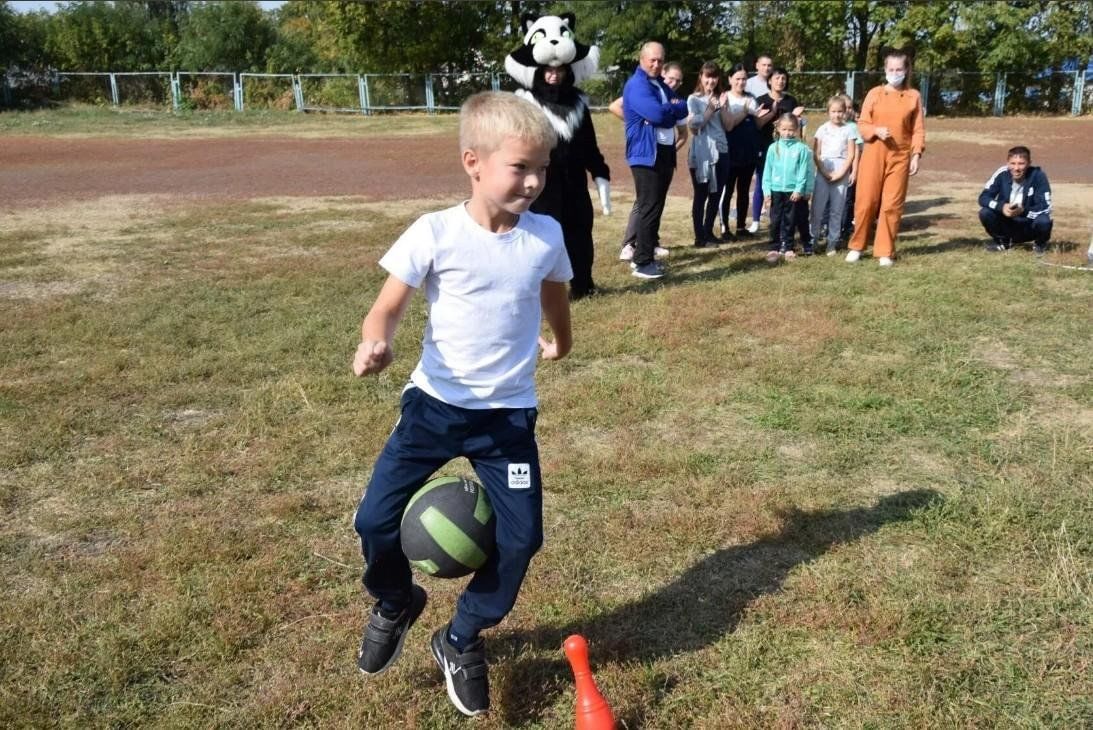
[[1015, 205]]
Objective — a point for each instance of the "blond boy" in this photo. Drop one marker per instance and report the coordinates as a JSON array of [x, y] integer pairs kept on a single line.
[[490, 270]]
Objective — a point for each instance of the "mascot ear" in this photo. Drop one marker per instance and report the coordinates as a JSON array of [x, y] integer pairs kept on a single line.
[[527, 20], [570, 20]]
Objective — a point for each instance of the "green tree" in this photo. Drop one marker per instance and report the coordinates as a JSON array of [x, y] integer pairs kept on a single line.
[[1068, 31], [869, 22], [231, 36], [393, 36], [103, 36], [1007, 35], [22, 38]]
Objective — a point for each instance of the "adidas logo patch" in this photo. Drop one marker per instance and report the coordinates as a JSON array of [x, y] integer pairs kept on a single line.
[[519, 476]]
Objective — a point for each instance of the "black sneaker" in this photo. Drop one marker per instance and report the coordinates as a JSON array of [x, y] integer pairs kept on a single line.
[[998, 244], [383, 637], [1039, 249], [466, 673]]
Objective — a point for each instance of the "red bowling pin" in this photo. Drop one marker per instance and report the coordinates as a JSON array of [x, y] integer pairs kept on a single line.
[[593, 712]]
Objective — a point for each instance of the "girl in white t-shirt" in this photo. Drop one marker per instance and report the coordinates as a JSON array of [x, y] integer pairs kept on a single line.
[[833, 149]]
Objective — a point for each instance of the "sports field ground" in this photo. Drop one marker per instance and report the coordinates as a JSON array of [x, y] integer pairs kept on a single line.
[[813, 495]]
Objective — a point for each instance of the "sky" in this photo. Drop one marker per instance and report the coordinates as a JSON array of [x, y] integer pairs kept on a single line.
[[31, 6]]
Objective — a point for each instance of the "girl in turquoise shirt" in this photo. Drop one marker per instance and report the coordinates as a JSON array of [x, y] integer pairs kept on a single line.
[[787, 179]]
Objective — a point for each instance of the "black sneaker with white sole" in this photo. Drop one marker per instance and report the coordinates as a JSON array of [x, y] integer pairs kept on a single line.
[[383, 637], [465, 673]]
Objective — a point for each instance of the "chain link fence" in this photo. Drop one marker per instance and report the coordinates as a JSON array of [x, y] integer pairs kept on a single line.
[[949, 92]]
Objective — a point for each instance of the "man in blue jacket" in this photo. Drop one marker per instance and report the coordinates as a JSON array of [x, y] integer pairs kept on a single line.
[[651, 111], [1015, 205]]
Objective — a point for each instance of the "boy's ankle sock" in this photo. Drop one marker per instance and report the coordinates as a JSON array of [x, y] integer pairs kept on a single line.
[[458, 641]]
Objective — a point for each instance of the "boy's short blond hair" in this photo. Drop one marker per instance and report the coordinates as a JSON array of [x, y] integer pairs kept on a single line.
[[487, 118]]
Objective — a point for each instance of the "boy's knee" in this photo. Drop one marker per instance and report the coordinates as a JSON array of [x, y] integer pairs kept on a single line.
[[522, 548], [986, 215], [370, 525]]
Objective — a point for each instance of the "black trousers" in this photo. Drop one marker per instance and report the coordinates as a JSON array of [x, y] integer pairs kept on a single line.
[[651, 186], [1018, 230], [785, 216], [739, 180], [704, 205]]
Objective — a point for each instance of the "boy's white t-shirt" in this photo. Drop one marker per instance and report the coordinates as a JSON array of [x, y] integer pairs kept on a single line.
[[482, 293], [834, 139]]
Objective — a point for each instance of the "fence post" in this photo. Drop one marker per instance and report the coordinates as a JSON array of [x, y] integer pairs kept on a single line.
[[1079, 93], [495, 81], [1000, 94], [239, 105], [924, 90], [430, 104], [176, 92], [367, 94], [7, 91], [361, 99], [850, 84], [298, 92], [237, 92], [113, 89]]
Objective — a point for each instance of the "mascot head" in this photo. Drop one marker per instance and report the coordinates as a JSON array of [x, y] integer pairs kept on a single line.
[[548, 41]]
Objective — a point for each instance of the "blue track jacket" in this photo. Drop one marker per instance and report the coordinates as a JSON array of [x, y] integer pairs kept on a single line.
[[1036, 198], [643, 111]]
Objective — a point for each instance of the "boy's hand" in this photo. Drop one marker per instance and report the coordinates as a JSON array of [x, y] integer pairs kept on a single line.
[[550, 349], [372, 356], [795, 197], [766, 202]]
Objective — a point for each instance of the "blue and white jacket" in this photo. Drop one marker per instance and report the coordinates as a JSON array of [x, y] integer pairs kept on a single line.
[[1036, 197], [643, 112]]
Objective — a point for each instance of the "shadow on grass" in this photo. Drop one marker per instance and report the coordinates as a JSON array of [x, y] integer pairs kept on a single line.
[[951, 244], [924, 221], [738, 259], [911, 207], [696, 609]]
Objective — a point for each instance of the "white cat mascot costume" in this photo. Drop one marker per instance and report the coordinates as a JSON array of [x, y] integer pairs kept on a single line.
[[549, 44]]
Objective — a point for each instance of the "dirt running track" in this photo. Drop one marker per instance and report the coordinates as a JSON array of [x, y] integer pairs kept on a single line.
[[38, 171]]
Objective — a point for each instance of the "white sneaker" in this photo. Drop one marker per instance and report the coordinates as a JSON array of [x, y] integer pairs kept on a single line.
[[754, 227], [831, 252], [661, 253], [627, 253], [885, 261], [853, 256]]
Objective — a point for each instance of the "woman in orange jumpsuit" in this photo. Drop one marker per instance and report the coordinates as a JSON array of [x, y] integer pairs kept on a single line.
[[892, 125]]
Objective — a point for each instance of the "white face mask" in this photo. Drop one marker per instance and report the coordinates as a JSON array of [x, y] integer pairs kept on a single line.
[[895, 79]]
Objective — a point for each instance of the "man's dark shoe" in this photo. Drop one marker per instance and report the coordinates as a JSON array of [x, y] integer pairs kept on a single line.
[[651, 270], [999, 244], [466, 673], [1039, 249], [383, 636]]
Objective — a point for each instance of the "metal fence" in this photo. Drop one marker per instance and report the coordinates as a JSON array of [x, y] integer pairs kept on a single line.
[[957, 93]]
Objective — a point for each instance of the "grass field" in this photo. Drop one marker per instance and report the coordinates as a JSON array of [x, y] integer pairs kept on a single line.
[[816, 495]]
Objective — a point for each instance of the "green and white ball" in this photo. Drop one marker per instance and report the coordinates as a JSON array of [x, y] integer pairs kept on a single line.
[[448, 527]]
